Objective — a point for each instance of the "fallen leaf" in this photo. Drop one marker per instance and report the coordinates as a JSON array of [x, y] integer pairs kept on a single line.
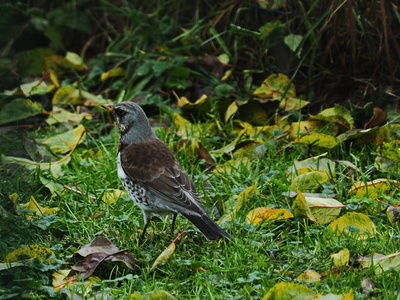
[[40, 252], [356, 224], [309, 181], [335, 114], [373, 189], [100, 249], [231, 110], [267, 213], [341, 258], [381, 263], [34, 208], [166, 254], [378, 117], [289, 291], [309, 276], [114, 72], [393, 213], [320, 140], [64, 142]]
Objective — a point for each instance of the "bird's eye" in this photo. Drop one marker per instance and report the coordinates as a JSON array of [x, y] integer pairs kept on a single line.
[[120, 112]]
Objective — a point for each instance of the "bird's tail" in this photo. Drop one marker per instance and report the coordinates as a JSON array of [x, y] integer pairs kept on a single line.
[[208, 227]]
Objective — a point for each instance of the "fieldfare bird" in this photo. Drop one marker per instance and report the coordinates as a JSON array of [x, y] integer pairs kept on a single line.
[[152, 176]]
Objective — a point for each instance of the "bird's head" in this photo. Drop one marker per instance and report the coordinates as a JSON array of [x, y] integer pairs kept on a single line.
[[132, 121]]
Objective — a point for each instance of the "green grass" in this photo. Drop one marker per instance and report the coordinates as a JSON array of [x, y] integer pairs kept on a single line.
[[256, 259]]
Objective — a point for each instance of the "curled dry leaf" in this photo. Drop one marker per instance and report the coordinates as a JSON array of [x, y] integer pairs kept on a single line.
[[99, 250]]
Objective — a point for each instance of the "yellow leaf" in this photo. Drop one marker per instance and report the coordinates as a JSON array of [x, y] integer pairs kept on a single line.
[[183, 101], [319, 139], [114, 72], [64, 142], [275, 86], [165, 255], [309, 276], [44, 254], [232, 166], [341, 258], [111, 196], [289, 291], [232, 109], [381, 263], [309, 181], [375, 188], [54, 79], [353, 223], [293, 103], [37, 209], [336, 114], [267, 213], [324, 210], [324, 165], [298, 129], [300, 207], [60, 279]]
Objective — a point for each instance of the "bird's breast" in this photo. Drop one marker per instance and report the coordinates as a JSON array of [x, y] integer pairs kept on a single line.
[[121, 173]]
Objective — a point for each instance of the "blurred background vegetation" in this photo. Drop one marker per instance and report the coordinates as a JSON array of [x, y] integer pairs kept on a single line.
[[345, 51]]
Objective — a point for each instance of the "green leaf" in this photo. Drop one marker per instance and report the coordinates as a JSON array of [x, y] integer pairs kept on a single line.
[[335, 114], [64, 142], [289, 291], [350, 221], [309, 181], [293, 41], [320, 140], [19, 109]]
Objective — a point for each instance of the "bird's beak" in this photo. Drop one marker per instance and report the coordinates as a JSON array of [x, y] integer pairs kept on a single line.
[[108, 107]]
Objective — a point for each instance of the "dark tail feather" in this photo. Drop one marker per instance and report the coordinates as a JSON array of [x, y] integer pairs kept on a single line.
[[208, 227]]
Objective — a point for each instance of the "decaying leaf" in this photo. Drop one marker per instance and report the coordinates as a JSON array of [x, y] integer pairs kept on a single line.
[[318, 209], [292, 291], [19, 109], [313, 164], [32, 207], [231, 110], [267, 213], [393, 213], [99, 250], [111, 196], [341, 258], [40, 252], [64, 142], [320, 140], [356, 224], [309, 181], [375, 188], [289, 291], [336, 114], [378, 117], [166, 254], [381, 263], [309, 276]]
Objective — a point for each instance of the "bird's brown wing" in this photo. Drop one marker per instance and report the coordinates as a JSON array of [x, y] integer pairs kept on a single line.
[[152, 164]]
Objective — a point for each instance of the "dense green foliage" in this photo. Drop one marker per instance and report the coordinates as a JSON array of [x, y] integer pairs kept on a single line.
[[205, 61]]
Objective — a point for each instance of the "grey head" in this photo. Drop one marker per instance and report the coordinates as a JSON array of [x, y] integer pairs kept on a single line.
[[132, 122]]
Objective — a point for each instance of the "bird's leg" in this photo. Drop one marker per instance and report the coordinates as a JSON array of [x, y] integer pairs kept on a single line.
[[173, 222], [147, 218]]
